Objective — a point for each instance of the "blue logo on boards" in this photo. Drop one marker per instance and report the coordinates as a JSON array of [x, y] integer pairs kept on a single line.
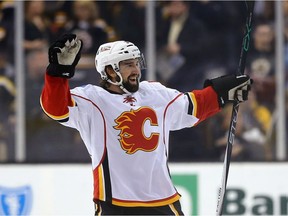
[[15, 201]]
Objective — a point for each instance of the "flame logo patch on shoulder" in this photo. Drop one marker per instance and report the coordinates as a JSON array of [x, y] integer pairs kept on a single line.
[[132, 125]]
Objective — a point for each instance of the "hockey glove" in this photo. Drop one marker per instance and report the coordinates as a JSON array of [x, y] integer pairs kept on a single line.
[[64, 55], [230, 88]]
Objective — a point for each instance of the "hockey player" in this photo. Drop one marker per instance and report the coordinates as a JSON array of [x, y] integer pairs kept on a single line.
[[125, 123]]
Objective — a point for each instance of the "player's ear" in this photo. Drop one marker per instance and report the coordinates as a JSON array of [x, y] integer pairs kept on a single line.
[[110, 72]]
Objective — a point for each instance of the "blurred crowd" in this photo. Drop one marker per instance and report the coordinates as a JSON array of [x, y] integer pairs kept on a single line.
[[195, 40]]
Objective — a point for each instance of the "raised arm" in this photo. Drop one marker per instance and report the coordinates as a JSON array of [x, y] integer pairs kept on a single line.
[[64, 55], [218, 92]]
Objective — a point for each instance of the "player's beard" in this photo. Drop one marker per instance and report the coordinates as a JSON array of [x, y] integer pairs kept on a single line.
[[129, 86]]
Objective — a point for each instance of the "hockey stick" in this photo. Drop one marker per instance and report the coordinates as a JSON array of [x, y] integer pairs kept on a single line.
[[231, 134]]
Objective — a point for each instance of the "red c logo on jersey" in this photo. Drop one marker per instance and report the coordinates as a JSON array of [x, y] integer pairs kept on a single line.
[[131, 124]]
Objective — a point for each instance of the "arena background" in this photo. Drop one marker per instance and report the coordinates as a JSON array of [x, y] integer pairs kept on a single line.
[[45, 168]]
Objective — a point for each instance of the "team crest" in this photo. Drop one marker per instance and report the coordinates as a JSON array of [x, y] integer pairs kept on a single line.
[[130, 99], [131, 125], [105, 48], [15, 201]]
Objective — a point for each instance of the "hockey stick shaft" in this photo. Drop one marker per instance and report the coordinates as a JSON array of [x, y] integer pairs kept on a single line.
[[233, 122]]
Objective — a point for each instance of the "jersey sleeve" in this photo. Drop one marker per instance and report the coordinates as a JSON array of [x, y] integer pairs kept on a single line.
[[190, 108], [203, 103], [185, 109], [56, 98]]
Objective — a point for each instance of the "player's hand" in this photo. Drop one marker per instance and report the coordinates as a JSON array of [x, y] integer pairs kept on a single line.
[[64, 55], [230, 88]]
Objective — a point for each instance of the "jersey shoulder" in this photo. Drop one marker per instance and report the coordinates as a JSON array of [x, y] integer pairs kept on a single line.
[[156, 89], [87, 90], [151, 85]]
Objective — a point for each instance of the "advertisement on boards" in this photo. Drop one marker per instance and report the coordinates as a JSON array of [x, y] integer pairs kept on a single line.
[[252, 189]]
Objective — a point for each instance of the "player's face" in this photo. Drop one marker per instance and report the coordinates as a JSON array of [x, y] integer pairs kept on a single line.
[[130, 72]]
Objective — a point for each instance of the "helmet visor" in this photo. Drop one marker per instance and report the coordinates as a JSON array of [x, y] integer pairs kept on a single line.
[[142, 62]]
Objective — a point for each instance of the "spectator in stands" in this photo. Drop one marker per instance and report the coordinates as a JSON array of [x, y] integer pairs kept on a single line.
[[88, 25], [7, 108], [180, 60], [59, 18], [254, 123], [261, 63], [285, 6], [7, 86], [36, 26], [224, 22], [7, 29], [42, 144], [264, 10], [85, 21], [180, 37], [131, 16], [252, 140], [34, 60]]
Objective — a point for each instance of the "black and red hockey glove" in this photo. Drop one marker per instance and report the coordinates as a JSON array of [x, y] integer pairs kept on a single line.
[[230, 88], [64, 55]]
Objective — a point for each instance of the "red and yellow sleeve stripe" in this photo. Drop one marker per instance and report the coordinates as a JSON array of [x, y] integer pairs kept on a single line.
[[99, 183], [56, 98], [204, 103]]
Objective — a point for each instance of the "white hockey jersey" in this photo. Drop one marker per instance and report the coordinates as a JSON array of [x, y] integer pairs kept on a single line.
[[127, 136]]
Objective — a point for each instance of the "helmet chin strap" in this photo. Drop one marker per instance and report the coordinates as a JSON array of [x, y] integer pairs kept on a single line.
[[120, 83], [124, 89]]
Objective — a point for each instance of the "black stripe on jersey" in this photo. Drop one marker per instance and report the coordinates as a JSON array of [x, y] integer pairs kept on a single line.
[[108, 191], [63, 120], [66, 119], [190, 107]]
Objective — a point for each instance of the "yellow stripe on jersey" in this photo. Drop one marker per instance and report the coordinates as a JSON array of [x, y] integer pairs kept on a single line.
[[194, 103], [192, 96], [126, 203], [73, 102], [57, 118], [98, 209], [174, 210], [101, 183]]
